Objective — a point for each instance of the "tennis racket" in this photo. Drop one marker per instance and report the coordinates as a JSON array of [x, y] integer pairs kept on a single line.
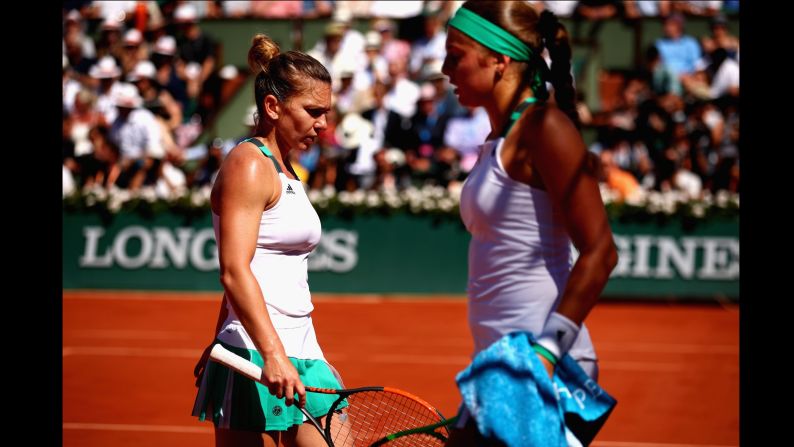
[[363, 417]]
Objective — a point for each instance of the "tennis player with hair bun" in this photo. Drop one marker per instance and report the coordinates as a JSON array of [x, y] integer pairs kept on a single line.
[[265, 228], [533, 191]]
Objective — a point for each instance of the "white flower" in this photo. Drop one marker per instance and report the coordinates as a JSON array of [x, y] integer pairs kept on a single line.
[[148, 194], [698, 210], [344, 198], [454, 190], [723, 197], [607, 195], [393, 201], [446, 204], [655, 202], [373, 199], [638, 198], [669, 205], [196, 198], [329, 191], [206, 192], [314, 195], [358, 196]]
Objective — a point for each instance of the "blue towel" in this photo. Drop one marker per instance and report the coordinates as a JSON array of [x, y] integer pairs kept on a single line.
[[511, 397]]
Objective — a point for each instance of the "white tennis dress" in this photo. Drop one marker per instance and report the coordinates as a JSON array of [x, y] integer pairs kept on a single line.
[[519, 254], [288, 232]]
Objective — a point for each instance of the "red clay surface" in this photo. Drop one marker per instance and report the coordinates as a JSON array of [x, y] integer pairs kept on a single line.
[[128, 359]]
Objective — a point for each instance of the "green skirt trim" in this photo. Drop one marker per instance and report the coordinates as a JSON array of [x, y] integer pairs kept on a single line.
[[235, 402]]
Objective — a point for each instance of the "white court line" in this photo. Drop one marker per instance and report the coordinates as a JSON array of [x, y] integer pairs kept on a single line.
[[650, 444], [130, 334], [393, 359], [207, 430], [642, 366], [432, 359], [109, 351], [136, 427], [674, 348], [121, 295], [158, 295]]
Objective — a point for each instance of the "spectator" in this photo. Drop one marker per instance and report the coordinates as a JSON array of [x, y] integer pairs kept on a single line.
[[144, 76], [136, 132], [720, 77], [277, 9], [109, 43], [314, 9], [700, 8], [376, 68], [403, 93], [133, 51], [431, 46], [70, 86], [163, 57], [466, 133], [107, 157], [679, 52], [635, 9], [357, 170], [327, 51], [663, 80], [194, 45], [721, 38], [392, 49], [618, 180], [105, 73], [389, 127]]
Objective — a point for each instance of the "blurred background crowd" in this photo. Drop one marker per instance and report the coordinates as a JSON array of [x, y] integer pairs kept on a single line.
[[145, 85]]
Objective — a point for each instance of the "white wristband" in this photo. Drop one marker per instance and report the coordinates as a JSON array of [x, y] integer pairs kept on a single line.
[[559, 334]]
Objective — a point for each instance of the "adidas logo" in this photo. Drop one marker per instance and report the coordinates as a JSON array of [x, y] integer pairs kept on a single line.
[[289, 190]]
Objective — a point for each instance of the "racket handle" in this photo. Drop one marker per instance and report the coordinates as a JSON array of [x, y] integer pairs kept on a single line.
[[235, 362]]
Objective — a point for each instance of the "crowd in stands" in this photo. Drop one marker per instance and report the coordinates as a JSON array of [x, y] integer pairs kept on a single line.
[[141, 82]]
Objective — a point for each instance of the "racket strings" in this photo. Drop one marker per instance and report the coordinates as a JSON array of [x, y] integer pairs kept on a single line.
[[372, 415]]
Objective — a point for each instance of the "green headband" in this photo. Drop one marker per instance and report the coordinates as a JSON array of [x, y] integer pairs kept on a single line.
[[490, 35]]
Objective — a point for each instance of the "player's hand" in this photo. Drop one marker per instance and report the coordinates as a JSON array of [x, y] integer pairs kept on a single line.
[[282, 380]]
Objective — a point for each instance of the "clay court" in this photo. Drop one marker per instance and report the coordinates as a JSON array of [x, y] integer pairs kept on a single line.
[[128, 360]]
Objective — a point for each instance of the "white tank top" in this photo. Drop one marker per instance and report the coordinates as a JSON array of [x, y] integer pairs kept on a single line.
[[519, 254], [288, 232]]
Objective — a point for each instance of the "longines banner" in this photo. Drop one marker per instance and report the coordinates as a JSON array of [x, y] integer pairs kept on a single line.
[[374, 254]]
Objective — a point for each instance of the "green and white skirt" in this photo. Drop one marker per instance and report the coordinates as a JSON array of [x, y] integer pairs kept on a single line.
[[236, 402]]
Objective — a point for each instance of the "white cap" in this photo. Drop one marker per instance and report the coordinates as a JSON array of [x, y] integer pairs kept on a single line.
[[343, 15], [395, 156], [133, 37], [111, 24], [165, 45], [104, 69], [193, 70], [186, 13], [432, 70], [353, 130], [372, 39], [228, 72], [143, 69], [427, 91], [127, 96], [74, 16], [248, 119]]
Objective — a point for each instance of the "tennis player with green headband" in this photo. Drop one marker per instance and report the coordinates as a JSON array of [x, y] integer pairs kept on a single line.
[[532, 193]]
